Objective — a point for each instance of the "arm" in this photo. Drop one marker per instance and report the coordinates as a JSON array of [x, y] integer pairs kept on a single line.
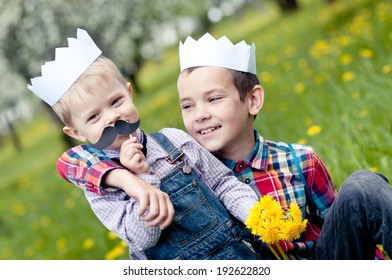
[[91, 169], [86, 167], [117, 212], [321, 185], [236, 196]]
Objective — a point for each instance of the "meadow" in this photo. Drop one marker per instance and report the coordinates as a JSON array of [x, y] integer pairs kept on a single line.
[[327, 75]]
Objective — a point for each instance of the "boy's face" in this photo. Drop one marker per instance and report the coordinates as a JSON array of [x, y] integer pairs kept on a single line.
[[93, 112], [213, 113]]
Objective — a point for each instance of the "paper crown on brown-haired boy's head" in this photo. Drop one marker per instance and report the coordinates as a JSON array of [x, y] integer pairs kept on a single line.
[[207, 51], [70, 62]]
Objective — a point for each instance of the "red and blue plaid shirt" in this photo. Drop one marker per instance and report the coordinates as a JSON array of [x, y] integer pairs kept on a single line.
[[270, 169]]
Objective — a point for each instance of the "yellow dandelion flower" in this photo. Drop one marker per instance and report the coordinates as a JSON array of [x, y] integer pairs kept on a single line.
[[366, 53], [348, 76], [271, 232], [111, 235], [346, 59], [45, 221], [294, 212], [265, 201], [313, 130], [266, 77], [387, 68], [272, 59], [271, 223], [70, 203], [364, 113], [320, 48], [29, 252], [292, 229], [374, 169], [319, 79], [19, 209], [252, 221], [299, 87], [302, 141], [88, 244], [61, 244], [343, 40], [123, 244], [355, 95], [116, 252]]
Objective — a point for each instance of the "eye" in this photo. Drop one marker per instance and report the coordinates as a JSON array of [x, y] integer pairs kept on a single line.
[[186, 106], [117, 101], [215, 98], [93, 118]]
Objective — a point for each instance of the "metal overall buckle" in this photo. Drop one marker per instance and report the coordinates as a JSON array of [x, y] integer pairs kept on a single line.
[[176, 157]]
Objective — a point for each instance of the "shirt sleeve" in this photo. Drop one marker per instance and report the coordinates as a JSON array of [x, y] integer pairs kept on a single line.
[[118, 213], [237, 197], [85, 167], [321, 186]]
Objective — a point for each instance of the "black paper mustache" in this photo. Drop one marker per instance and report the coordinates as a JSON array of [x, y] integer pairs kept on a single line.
[[109, 134]]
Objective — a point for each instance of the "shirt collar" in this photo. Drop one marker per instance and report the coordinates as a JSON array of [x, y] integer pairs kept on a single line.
[[256, 159]]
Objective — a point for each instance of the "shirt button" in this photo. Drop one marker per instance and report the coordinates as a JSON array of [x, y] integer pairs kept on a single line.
[[194, 183]]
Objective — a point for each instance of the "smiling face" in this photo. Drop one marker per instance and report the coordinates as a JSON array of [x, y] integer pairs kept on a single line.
[[213, 113], [92, 111]]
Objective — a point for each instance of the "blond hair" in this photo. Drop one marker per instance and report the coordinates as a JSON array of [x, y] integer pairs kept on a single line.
[[101, 71]]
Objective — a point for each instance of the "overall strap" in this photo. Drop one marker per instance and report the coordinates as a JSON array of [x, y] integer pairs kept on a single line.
[[312, 206], [173, 154]]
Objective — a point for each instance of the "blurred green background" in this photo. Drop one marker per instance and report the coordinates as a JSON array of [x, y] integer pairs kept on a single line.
[[326, 69]]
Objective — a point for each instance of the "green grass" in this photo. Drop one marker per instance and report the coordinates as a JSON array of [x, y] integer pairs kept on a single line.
[[329, 67]]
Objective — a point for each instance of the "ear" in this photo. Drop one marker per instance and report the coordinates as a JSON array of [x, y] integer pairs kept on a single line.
[[256, 100], [129, 88], [74, 133]]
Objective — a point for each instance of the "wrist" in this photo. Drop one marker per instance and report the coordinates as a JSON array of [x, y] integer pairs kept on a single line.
[[118, 178]]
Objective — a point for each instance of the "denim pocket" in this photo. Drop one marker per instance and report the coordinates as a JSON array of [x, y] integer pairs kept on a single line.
[[194, 216]]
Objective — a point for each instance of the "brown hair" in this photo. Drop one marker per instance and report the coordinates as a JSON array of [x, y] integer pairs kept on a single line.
[[243, 81]]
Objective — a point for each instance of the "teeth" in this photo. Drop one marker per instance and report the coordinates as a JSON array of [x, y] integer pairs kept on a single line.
[[207, 130]]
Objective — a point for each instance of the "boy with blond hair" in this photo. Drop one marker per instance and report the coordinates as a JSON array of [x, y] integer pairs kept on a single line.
[[220, 96], [94, 101]]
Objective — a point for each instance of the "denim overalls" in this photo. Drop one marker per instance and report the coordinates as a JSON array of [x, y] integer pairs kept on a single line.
[[202, 228]]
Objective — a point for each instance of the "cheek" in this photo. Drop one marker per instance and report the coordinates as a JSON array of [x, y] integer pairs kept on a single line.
[[187, 121]]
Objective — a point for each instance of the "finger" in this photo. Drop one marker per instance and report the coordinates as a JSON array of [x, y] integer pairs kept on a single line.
[[127, 145], [162, 211], [170, 214], [153, 209], [143, 205]]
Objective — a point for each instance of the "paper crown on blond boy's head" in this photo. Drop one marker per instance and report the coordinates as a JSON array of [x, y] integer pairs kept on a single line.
[[70, 62], [207, 51]]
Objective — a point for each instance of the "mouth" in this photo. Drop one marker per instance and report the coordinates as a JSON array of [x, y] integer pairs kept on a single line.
[[208, 130]]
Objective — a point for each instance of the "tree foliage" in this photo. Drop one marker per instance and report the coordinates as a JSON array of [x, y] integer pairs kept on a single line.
[[128, 31]]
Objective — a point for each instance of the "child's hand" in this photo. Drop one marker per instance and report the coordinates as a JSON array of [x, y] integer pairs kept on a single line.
[[132, 157], [154, 202]]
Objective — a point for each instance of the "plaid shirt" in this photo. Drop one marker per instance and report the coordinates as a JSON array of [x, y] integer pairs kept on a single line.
[[270, 169], [85, 167]]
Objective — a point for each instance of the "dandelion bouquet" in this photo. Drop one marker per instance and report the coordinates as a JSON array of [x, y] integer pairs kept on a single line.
[[271, 223]]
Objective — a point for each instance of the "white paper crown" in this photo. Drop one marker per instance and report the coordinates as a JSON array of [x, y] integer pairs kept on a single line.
[[70, 62], [222, 53]]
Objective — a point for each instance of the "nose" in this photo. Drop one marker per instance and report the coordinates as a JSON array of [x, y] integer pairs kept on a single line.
[[111, 117], [202, 113]]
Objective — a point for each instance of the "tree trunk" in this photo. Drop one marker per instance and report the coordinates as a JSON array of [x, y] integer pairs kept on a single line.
[[288, 5]]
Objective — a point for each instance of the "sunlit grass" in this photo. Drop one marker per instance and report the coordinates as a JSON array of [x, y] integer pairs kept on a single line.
[[327, 76]]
